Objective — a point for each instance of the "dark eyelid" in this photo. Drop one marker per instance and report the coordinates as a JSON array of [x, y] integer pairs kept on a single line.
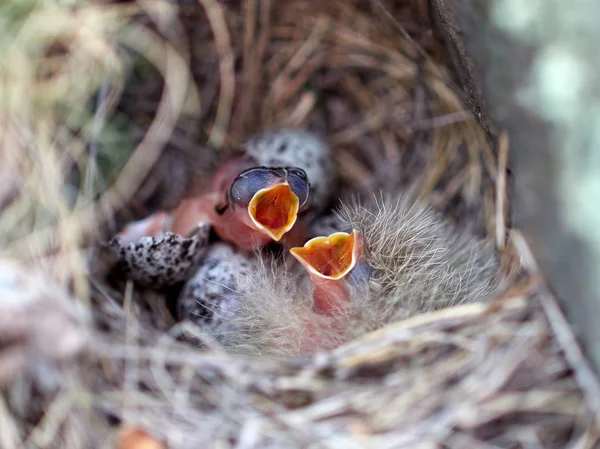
[[248, 182], [298, 172], [244, 173], [299, 184]]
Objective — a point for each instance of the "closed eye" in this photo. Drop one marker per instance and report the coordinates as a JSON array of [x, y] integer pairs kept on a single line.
[[250, 181], [300, 185]]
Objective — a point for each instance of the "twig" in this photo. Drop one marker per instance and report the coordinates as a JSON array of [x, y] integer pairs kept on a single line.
[[401, 29], [131, 362], [503, 146], [54, 417], [584, 374], [175, 72], [9, 437], [216, 18], [587, 380]]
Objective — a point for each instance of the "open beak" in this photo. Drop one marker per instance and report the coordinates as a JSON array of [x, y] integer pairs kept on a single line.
[[274, 210], [328, 260], [331, 257]]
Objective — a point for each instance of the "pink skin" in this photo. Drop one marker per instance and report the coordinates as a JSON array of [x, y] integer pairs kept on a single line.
[[324, 326], [330, 299], [150, 226], [201, 207], [232, 226], [227, 172], [235, 224], [329, 295], [317, 328]]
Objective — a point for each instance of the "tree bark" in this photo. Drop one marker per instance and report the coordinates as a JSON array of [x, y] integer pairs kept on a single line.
[[530, 67]]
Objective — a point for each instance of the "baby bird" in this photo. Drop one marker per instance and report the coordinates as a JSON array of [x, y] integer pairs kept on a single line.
[[416, 261], [263, 311], [254, 199], [257, 197], [327, 261], [401, 258]]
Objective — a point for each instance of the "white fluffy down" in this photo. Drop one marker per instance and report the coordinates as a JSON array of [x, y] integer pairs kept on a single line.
[[418, 262]]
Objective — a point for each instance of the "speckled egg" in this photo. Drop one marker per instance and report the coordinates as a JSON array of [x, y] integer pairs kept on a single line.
[[164, 260], [211, 294], [302, 149]]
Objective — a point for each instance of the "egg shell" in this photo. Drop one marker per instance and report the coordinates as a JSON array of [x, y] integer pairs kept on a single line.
[[161, 261], [211, 294]]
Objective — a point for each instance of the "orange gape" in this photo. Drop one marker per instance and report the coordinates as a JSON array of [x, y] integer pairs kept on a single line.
[[331, 257], [328, 260], [274, 210]]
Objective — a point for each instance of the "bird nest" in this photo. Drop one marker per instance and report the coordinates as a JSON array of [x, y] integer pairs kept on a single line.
[[114, 109]]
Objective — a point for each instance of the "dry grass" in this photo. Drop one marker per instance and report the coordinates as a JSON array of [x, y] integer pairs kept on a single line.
[[187, 80]]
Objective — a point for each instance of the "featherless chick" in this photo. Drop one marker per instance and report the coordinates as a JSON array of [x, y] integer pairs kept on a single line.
[[256, 197], [253, 199]]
